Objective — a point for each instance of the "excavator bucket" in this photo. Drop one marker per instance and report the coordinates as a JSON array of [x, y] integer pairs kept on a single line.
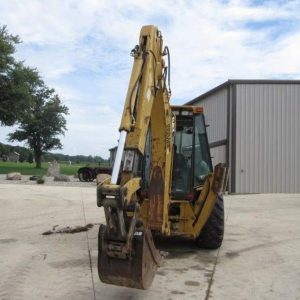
[[137, 270]]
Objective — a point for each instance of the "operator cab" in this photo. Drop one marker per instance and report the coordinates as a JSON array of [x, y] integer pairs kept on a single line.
[[191, 159]]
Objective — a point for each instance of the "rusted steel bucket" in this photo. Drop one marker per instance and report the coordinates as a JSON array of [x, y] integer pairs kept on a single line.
[[136, 271]]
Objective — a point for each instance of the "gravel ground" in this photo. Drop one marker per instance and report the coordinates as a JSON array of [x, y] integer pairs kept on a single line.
[[49, 181]]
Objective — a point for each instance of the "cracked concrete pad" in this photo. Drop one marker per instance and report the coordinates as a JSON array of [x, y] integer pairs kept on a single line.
[[259, 258]]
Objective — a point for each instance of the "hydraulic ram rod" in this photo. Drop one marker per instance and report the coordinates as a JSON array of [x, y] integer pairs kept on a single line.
[[117, 163]]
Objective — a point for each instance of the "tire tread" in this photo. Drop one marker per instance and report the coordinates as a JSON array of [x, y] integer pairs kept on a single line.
[[211, 236]]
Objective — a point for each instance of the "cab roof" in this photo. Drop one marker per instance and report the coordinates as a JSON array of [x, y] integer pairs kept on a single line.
[[193, 109]]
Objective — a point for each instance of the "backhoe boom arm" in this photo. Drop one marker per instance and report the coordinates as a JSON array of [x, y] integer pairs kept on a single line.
[[147, 99]]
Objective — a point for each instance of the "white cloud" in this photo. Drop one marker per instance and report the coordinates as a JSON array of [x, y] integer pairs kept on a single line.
[[82, 49]]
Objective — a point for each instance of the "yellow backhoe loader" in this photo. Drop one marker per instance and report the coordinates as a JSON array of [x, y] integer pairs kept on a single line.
[[162, 180]]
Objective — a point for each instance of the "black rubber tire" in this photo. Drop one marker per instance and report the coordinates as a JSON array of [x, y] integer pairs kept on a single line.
[[211, 236], [85, 176]]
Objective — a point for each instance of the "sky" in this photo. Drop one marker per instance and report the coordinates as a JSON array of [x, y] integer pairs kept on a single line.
[[81, 48]]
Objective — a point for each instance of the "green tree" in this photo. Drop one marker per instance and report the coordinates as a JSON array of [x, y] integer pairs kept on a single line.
[[7, 49], [17, 81], [42, 122], [30, 158]]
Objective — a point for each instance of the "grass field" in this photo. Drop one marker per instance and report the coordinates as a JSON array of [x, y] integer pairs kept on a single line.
[[29, 169]]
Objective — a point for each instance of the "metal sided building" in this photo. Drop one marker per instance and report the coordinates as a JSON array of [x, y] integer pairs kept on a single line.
[[254, 127]]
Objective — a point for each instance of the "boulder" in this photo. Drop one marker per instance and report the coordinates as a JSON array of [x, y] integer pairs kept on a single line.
[[53, 169], [62, 177], [14, 176]]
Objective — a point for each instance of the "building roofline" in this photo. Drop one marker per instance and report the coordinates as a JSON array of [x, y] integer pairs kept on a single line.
[[212, 91], [241, 81]]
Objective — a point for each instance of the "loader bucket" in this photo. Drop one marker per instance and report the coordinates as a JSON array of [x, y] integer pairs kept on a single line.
[[136, 271]]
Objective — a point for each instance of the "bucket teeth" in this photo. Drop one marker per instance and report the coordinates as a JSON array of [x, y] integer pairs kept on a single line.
[[137, 269]]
